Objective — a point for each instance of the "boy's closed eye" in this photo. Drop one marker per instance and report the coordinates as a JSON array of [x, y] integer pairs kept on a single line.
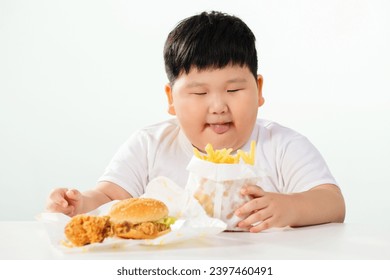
[[229, 90], [234, 90]]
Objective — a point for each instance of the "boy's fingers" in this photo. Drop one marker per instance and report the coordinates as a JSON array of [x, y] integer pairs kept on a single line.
[[61, 200], [251, 206], [255, 204], [69, 211], [58, 197], [56, 208], [73, 194], [261, 226], [252, 190], [255, 218]]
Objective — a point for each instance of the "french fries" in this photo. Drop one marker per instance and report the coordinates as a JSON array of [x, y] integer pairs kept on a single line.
[[225, 156]]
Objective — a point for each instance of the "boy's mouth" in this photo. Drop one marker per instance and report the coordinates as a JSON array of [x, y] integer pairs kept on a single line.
[[220, 128]]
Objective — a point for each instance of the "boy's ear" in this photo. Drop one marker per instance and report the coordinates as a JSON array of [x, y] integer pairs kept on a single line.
[[168, 92], [260, 90]]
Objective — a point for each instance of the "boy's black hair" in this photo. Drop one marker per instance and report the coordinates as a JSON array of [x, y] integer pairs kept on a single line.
[[209, 40]]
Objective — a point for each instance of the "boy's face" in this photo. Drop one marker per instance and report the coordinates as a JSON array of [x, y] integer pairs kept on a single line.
[[217, 106]]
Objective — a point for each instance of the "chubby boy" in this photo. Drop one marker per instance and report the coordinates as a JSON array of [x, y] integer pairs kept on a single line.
[[214, 93]]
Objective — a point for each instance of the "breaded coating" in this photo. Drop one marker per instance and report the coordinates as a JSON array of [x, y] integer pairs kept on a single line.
[[148, 228], [84, 229]]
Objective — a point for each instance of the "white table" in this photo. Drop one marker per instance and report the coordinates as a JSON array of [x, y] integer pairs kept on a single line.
[[29, 240]]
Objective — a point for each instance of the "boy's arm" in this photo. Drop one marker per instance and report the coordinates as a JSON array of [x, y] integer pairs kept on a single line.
[[72, 202], [321, 204], [104, 192]]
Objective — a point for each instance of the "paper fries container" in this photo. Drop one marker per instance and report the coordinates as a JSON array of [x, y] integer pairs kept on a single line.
[[217, 187]]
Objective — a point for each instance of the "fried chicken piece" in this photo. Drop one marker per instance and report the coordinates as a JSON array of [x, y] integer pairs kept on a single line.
[[84, 229]]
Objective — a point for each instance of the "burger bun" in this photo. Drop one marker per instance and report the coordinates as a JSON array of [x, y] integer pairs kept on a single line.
[[138, 210]]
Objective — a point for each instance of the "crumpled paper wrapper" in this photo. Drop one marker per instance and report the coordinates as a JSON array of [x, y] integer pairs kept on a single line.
[[217, 187], [192, 221]]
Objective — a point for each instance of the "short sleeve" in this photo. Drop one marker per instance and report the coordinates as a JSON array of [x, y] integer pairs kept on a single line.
[[302, 167], [129, 166]]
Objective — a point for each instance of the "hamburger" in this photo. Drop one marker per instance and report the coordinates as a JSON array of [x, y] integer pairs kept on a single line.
[[140, 218]]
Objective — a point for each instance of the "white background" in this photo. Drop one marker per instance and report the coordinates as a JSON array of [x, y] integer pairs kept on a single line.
[[78, 77]]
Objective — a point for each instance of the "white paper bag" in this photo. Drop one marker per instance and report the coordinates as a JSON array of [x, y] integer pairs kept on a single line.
[[217, 187]]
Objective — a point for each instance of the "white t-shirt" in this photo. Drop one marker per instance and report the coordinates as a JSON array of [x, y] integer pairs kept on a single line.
[[291, 162]]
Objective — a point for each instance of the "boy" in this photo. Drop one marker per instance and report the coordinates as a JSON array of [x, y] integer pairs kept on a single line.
[[215, 92]]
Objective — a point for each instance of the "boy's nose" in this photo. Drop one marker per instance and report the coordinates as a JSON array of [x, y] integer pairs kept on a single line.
[[218, 106]]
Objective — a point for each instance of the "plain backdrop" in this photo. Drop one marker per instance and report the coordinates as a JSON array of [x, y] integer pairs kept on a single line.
[[78, 77]]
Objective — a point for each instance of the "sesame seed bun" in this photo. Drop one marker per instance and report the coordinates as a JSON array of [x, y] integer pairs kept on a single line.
[[138, 210]]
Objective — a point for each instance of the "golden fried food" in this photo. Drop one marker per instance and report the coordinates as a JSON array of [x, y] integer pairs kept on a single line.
[[84, 229], [133, 218], [146, 230], [224, 156]]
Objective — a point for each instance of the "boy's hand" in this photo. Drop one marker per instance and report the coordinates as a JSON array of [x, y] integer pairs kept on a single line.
[[62, 200], [268, 208]]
